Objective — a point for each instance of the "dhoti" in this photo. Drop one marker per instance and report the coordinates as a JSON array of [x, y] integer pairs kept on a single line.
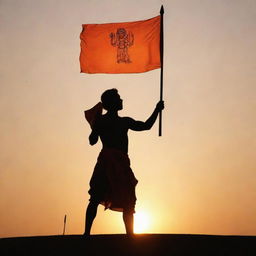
[[113, 182]]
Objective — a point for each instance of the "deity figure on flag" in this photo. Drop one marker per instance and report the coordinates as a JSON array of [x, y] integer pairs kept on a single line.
[[122, 40]]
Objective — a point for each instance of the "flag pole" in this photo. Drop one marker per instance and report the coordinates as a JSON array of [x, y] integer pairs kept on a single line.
[[162, 64]]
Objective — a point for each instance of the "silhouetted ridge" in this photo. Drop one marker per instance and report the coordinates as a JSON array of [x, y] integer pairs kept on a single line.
[[150, 244]]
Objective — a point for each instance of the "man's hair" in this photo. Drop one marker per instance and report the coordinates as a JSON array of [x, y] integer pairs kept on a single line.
[[108, 98]]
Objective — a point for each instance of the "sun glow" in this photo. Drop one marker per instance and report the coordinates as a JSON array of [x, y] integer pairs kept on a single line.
[[141, 222]]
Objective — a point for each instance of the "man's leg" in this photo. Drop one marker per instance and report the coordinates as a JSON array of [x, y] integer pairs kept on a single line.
[[91, 213], [128, 221]]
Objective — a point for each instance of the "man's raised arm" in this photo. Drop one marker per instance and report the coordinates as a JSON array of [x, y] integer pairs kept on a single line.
[[141, 126]]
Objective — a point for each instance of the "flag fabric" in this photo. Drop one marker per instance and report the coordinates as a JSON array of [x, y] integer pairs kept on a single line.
[[128, 47]]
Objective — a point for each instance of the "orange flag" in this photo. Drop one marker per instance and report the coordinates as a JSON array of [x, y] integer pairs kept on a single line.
[[128, 47]]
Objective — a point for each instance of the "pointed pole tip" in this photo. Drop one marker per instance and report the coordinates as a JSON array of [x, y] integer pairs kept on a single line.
[[162, 10]]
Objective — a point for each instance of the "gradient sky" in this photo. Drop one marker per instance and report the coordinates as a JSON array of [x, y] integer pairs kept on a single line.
[[199, 177]]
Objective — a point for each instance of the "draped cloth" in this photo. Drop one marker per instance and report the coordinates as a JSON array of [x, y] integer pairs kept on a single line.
[[92, 114], [113, 182]]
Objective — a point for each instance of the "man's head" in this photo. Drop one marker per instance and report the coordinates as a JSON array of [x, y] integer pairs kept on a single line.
[[111, 100]]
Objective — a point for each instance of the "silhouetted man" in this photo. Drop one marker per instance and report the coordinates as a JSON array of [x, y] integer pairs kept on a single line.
[[113, 182]]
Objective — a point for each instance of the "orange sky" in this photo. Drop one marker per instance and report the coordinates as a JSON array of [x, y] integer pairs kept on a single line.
[[199, 177]]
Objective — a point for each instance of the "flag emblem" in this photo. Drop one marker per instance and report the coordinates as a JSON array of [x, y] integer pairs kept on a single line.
[[122, 41]]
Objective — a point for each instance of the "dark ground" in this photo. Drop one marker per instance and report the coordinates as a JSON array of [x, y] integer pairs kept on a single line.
[[150, 244]]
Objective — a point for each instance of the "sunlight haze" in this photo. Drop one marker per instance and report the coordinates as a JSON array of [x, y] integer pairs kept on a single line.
[[198, 178]]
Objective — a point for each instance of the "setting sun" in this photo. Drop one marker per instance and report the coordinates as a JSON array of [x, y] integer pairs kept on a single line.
[[141, 222]]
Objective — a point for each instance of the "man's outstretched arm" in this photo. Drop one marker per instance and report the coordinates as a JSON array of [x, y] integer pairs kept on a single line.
[[141, 126]]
